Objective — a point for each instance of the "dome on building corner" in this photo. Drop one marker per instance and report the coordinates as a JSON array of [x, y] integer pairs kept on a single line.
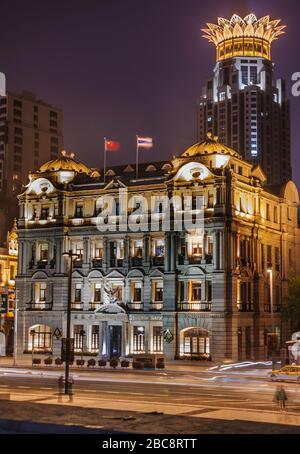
[[210, 146], [65, 163]]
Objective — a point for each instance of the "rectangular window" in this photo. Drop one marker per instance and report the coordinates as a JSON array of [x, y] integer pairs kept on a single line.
[[95, 338], [77, 295], [97, 292], [276, 215], [137, 292], [157, 339], [79, 210], [44, 213], [138, 339], [79, 334], [196, 291], [44, 252], [158, 291]]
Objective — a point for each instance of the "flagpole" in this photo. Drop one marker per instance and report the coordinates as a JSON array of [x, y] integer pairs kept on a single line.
[[104, 160], [137, 158]]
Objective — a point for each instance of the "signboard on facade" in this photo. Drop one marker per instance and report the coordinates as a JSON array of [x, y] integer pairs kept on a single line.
[[70, 343], [4, 303]]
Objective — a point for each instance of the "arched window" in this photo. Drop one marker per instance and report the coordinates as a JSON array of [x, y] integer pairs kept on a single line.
[[40, 338], [195, 342]]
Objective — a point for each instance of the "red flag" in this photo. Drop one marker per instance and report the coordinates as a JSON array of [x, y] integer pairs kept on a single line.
[[112, 145]]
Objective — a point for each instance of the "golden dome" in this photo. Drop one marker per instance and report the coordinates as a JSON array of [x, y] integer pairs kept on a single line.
[[208, 147], [65, 162]]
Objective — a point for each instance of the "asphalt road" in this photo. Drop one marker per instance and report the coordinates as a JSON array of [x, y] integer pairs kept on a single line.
[[181, 393]]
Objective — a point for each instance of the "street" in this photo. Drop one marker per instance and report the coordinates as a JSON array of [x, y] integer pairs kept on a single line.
[[227, 396]]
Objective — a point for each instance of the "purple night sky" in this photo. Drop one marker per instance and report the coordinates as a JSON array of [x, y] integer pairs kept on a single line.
[[122, 67]]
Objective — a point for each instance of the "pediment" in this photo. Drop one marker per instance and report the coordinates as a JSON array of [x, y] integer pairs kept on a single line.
[[40, 186], [115, 184], [193, 171], [115, 275]]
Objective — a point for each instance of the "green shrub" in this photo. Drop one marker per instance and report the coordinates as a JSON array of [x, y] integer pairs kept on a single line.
[[113, 363]]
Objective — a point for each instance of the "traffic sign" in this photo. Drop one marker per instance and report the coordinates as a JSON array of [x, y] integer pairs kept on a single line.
[[4, 303]]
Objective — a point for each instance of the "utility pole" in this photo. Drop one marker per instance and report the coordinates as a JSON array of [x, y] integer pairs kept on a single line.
[[71, 257]]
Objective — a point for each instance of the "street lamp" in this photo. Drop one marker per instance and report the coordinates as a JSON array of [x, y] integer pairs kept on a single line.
[[71, 257], [270, 273]]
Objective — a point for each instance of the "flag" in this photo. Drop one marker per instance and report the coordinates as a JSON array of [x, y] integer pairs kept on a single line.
[[144, 142], [112, 145]]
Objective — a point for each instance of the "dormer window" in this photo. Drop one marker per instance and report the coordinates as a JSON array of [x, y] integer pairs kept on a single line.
[[44, 213], [79, 210], [151, 168]]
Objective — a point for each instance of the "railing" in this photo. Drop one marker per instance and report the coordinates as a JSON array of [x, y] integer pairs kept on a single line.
[[136, 261], [116, 263], [190, 306], [94, 306], [97, 263], [41, 265], [156, 306], [135, 306], [195, 259], [77, 263], [41, 306], [245, 307], [157, 261], [76, 306]]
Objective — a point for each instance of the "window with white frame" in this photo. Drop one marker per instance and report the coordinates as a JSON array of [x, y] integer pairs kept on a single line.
[[195, 291], [43, 252], [40, 292], [138, 339], [95, 338], [77, 293], [97, 292], [136, 292], [137, 248], [159, 247], [158, 291], [157, 339]]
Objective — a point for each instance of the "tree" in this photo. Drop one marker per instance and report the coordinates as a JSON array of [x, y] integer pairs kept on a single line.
[[291, 304]]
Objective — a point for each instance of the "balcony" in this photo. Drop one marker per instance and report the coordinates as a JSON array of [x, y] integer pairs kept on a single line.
[[208, 259], [245, 307], [135, 306], [195, 259], [41, 264], [76, 306], [77, 263], [94, 306], [116, 263], [136, 261], [156, 306], [158, 261], [194, 306], [97, 263], [39, 306]]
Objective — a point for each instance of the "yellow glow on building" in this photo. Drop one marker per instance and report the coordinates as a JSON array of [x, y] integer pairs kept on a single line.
[[243, 37]]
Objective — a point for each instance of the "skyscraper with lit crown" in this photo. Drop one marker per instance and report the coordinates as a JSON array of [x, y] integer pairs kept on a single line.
[[242, 104]]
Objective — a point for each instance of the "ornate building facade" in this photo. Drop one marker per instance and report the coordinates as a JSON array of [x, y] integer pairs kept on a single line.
[[214, 293]]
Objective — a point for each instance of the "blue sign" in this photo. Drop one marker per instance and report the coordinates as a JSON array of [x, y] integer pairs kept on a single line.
[[4, 303]]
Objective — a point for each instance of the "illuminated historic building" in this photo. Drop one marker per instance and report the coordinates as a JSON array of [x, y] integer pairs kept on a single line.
[[242, 104], [212, 293]]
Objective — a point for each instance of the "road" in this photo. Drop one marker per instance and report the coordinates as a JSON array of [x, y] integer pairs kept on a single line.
[[172, 393]]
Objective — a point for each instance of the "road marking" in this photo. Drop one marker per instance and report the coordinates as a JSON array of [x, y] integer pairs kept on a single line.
[[45, 388], [23, 387], [4, 386]]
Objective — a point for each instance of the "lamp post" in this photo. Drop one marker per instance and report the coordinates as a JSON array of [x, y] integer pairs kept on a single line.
[[71, 257], [270, 273]]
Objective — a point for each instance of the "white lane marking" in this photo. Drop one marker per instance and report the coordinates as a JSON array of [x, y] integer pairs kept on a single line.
[[44, 387], [23, 387], [3, 386]]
